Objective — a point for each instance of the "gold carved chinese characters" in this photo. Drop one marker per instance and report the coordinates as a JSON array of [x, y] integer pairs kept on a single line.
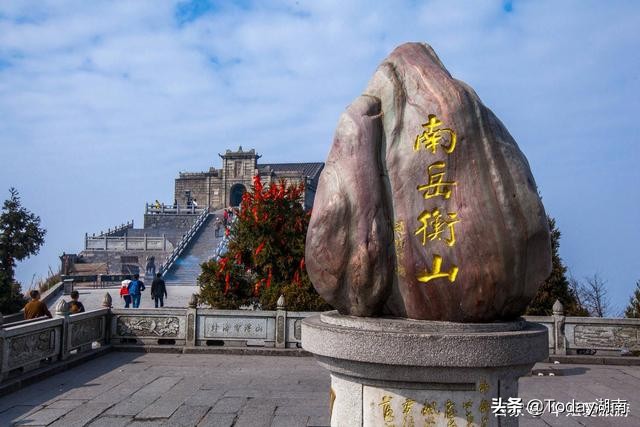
[[431, 413], [435, 224]]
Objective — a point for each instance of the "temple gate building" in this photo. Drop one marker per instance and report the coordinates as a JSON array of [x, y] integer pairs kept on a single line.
[[219, 188], [176, 238]]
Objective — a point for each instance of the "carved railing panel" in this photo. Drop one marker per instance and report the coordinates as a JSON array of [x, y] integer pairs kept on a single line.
[[87, 331], [32, 347], [148, 326]]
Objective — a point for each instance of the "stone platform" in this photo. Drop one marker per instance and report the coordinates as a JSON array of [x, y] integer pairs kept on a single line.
[[390, 370], [136, 389]]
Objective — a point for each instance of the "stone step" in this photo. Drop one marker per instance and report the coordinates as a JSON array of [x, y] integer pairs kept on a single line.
[[187, 268]]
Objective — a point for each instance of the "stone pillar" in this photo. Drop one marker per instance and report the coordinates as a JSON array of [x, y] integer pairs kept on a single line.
[[107, 302], [560, 347], [67, 286], [281, 323], [192, 315], [62, 310], [388, 371]]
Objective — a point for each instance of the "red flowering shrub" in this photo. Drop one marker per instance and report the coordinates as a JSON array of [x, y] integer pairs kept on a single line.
[[266, 254]]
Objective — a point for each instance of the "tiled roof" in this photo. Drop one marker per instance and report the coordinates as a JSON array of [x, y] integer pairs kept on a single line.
[[312, 170]]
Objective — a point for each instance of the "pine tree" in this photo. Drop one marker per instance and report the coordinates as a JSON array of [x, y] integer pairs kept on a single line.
[[265, 255], [20, 237], [633, 309], [556, 287]]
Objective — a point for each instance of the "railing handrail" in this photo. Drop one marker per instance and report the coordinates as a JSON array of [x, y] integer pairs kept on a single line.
[[116, 229], [177, 209], [105, 242], [177, 251], [128, 238]]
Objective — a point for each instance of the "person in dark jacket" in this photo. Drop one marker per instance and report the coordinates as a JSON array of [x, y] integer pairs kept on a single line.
[[158, 290], [136, 286], [75, 306]]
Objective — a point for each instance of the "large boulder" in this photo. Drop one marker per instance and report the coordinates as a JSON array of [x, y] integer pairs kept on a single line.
[[426, 207]]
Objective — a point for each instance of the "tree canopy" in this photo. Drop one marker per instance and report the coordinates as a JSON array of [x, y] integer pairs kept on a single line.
[[556, 287], [265, 255], [20, 237], [633, 309]]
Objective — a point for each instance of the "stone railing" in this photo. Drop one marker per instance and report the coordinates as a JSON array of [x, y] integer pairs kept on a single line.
[[182, 244], [125, 243], [28, 345], [589, 335], [31, 344], [201, 327], [154, 209], [115, 230]]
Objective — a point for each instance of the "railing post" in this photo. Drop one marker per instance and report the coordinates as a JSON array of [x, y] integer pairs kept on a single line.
[[145, 241], [3, 354], [67, 286], [86, 241], [281, 323], [62, 310], [105, 241], [107, 302], [560, 347], [164, 242], [125, 242], [192, 316]]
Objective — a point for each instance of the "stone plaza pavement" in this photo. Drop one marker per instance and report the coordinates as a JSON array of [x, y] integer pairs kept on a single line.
[[178, 296], [137, 389]]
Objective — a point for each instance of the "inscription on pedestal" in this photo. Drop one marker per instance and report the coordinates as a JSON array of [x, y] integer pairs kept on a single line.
[[395, 407], [221, 327]]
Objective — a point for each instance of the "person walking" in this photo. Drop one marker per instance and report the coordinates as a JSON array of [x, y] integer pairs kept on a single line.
[[158, 290], [135, 290], [218, 224], [75, 306], [35, 308], [124, 292]]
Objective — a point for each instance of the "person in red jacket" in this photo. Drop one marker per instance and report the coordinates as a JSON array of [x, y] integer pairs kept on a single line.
[[124, 293]]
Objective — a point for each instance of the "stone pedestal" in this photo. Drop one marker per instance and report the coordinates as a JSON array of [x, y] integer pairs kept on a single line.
[[402, 372]]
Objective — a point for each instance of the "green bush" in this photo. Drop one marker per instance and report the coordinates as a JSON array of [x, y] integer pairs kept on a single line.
[[266, 255]]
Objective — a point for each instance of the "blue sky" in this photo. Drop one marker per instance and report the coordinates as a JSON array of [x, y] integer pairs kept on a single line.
[[103, 103]]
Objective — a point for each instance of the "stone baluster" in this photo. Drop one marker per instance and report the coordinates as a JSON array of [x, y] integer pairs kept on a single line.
[[62, 310], [560, 347], [281, 323], [192, 315], [107, 302]]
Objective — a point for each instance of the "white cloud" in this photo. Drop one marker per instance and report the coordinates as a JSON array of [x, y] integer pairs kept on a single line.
[[103, 102]]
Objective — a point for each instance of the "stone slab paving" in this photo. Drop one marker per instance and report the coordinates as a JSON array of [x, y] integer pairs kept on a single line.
[[133, 389], [178, 297]]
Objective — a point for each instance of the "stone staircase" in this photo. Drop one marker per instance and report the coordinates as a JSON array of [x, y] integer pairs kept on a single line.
[[186, 269]]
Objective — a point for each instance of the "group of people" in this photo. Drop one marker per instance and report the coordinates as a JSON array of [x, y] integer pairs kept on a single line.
[[228, 215], [36, 308], [131, 291]]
